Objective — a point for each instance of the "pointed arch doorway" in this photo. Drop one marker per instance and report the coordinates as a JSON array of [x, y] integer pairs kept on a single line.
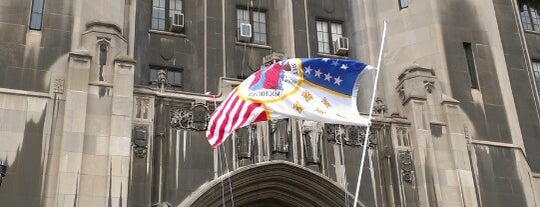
[[270, 184]]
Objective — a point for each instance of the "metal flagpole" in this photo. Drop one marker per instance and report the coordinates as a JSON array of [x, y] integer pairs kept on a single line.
[[364, 149]]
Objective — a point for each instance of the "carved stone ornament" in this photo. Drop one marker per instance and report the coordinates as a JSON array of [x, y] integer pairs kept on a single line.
[[352, 135], [372, 142], [429, 86], [162, 79], [379, 107], [140, 141], [401, 92], [59, 85], [406, 166], [195, 118]]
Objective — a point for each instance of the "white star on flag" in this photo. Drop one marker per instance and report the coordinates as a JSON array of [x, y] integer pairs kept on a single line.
[[344, 67], [327, 77], [335, 63], [325, 59], [318, 73], [308, 69], [338, 81]]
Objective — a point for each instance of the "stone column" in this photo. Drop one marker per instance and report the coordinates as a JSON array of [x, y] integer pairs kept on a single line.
[[120, 139], [73, 128], [438, 141]]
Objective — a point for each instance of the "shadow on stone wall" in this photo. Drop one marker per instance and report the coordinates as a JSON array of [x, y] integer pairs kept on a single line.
[[22, 185]]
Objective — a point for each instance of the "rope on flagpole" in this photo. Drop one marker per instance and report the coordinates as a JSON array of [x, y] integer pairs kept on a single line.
[[221, 178], [343, 164], [229, 177], [221, 150], [364, 148]]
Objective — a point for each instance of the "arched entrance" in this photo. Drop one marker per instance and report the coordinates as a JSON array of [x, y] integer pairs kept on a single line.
[[269, 184]]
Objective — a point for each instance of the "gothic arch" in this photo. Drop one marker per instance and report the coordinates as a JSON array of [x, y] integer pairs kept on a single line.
[[270, 183]]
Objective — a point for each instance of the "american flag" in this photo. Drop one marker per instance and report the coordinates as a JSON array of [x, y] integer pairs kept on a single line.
[[232, 114]]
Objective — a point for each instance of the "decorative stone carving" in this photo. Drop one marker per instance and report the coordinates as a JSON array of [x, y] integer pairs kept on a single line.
[[330, 132], [429, 86], [195, 118], [273, 57], [406, 166], [58, 85], [162, 81], [279, 134], [352, 135], [401, 93], [200, 117], [312, 132], [140, 141], [372, 142], [379, 107]]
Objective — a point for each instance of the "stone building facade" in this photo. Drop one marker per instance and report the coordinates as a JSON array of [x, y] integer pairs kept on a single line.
[[105, 103]]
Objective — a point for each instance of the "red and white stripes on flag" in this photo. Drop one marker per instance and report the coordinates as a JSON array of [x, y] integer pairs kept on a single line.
[[232, 114]]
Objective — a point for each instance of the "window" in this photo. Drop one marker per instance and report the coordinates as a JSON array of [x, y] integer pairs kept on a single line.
[[37, 14], [174, 76], [530, 17], [163, 12], [471, 65], [403, 4], [257, 19], [536, 71], [327, 33]]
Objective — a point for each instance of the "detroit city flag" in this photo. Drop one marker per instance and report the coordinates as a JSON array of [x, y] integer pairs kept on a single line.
[[316, 89]]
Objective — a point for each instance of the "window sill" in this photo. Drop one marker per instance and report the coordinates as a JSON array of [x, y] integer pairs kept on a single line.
[[167, 33], [254, 45], [532, 32], [332, 56]]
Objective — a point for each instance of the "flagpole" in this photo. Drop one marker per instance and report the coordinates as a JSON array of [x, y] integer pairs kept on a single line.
[[364, 149]]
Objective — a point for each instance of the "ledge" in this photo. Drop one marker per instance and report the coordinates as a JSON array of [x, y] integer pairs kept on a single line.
[[254, 45], [532, 32], [126, 59], [326, 55], [104, 84], [24, 93], [161, 32], [495, 144]]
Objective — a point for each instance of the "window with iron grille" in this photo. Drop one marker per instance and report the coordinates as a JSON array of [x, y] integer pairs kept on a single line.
[[530, 14], [163, 12], [257, 20], [327, 33]]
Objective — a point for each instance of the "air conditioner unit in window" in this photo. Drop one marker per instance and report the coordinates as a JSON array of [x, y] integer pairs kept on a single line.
[[177, 23], [244, 32], [341, 46]]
